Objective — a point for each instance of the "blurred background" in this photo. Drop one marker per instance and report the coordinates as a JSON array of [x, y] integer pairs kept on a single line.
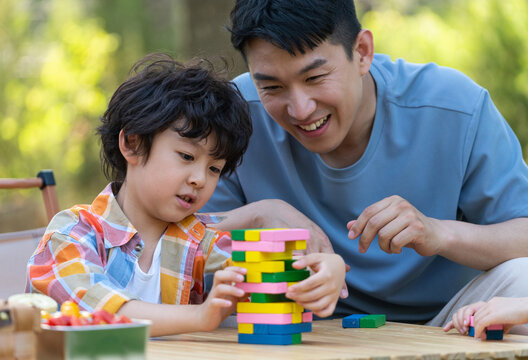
[[61, 60]]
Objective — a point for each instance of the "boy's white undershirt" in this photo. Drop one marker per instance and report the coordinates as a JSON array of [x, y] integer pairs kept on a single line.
[[146, 286]]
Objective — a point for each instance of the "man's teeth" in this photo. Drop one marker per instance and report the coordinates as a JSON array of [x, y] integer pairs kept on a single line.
[[315, 125]]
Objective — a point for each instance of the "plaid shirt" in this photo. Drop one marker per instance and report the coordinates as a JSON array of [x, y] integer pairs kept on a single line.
[[88, 254]]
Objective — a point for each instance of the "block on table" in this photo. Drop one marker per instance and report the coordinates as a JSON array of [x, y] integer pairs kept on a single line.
[[245, 328], [471, 331], [352, 321], [284, 339], [494, 334], [372, 321]]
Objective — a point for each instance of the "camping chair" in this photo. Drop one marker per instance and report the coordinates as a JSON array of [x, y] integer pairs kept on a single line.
[[17, 247]]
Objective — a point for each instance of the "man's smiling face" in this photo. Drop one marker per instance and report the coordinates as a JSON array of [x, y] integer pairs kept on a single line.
[[314, 96]]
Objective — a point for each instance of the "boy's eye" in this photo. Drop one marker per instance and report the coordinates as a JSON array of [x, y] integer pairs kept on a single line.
[[186, 157], [215, 170]]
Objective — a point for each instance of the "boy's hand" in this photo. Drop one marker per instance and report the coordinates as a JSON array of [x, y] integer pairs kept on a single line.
[[460, 320], [501, 310], [223, 297], [320, 292]]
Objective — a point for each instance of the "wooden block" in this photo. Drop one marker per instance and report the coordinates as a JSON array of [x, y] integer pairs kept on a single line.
[[282, 329], [307, 316], [471, 331], [291, 275], [372, 321], [238, 234], [245, 328], [494, 334], [284, 339], [264, 246], [295, 245], [264, 266], [352, 321], [471, 319], [269, 308], [495, 327], [253, 277], [252, 318], [257, 256], [268, 298], [238, 255], [285, 235], [265, 288]]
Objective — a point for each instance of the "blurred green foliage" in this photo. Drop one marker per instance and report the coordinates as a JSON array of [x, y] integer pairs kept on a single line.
[[60, 61]]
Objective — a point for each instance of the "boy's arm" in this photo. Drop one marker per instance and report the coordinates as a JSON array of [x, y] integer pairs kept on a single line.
[[66, 269]]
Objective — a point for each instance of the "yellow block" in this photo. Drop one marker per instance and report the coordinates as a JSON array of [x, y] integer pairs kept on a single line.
[[265, 266], [253, 277], [245, 328], [255, 256], [296, 317], [296, 245], [269, 308], [254, 234]]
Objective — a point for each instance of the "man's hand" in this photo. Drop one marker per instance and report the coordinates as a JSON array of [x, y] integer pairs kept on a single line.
[[398, 224]]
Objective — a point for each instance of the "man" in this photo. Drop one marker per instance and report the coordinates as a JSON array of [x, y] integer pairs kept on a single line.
[[408, 171]]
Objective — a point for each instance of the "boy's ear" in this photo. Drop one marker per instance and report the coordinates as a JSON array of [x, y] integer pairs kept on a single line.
[[128, 145]]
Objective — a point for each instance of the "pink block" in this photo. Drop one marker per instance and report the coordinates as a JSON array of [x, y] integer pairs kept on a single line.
[[253, 318], [471, 320], [495, 327], [284, 235], [307, 316], [264, 288], [265, 246]]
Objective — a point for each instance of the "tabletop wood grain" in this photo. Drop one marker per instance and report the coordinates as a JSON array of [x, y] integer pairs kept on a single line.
[[328, 340]]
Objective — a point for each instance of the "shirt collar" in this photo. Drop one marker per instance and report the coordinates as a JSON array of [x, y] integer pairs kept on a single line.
[[117, 229]]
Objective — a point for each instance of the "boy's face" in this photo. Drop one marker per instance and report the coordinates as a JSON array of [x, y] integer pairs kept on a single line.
[[317, 96], [176, 180]]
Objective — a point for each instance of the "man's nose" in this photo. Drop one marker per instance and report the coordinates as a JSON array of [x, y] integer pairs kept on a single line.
[[300, 104]]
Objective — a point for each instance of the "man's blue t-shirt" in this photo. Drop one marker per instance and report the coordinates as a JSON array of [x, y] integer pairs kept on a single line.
[[437, 141]]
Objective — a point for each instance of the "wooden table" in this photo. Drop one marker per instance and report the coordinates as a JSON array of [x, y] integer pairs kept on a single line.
[[328, 340]]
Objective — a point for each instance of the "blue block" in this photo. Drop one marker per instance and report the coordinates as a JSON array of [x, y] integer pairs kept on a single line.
[[284, 339], [494, 334], [352, 321], [282, 329], [471, 331]]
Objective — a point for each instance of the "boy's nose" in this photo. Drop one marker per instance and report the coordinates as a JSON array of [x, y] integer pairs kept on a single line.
[[300, 105], [197, 177]]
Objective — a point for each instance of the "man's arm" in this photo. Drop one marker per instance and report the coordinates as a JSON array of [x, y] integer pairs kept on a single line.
[[398, 224]]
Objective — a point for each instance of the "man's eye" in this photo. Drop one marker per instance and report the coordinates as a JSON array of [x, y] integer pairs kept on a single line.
[[313, 78], [186, 157], [270, 88]]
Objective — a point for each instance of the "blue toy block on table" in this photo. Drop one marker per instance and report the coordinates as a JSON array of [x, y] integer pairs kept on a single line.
[[352, 321]]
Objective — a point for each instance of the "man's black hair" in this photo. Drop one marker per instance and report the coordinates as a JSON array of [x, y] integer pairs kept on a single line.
[[191, 99], [294, 25]]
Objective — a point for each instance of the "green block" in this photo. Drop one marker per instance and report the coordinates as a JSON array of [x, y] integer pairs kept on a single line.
[[372, 321], [268, 298], [291, 275], [288, 265], [238, 234], [296, 338], [238, 255]]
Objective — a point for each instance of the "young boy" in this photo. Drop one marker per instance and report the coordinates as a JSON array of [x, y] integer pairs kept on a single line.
[[169, 133], [508, 311]]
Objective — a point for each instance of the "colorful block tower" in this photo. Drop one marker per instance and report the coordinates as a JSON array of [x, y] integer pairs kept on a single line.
[[270, 317]]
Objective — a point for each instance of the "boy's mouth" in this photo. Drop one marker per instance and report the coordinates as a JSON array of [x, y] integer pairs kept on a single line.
[[186, 198]]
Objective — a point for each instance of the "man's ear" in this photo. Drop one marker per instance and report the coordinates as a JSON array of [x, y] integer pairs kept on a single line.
[[128, 145], [364, 48]]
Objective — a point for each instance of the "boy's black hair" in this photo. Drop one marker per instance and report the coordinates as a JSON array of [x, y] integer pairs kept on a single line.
[[192, 99], [294, 25]]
